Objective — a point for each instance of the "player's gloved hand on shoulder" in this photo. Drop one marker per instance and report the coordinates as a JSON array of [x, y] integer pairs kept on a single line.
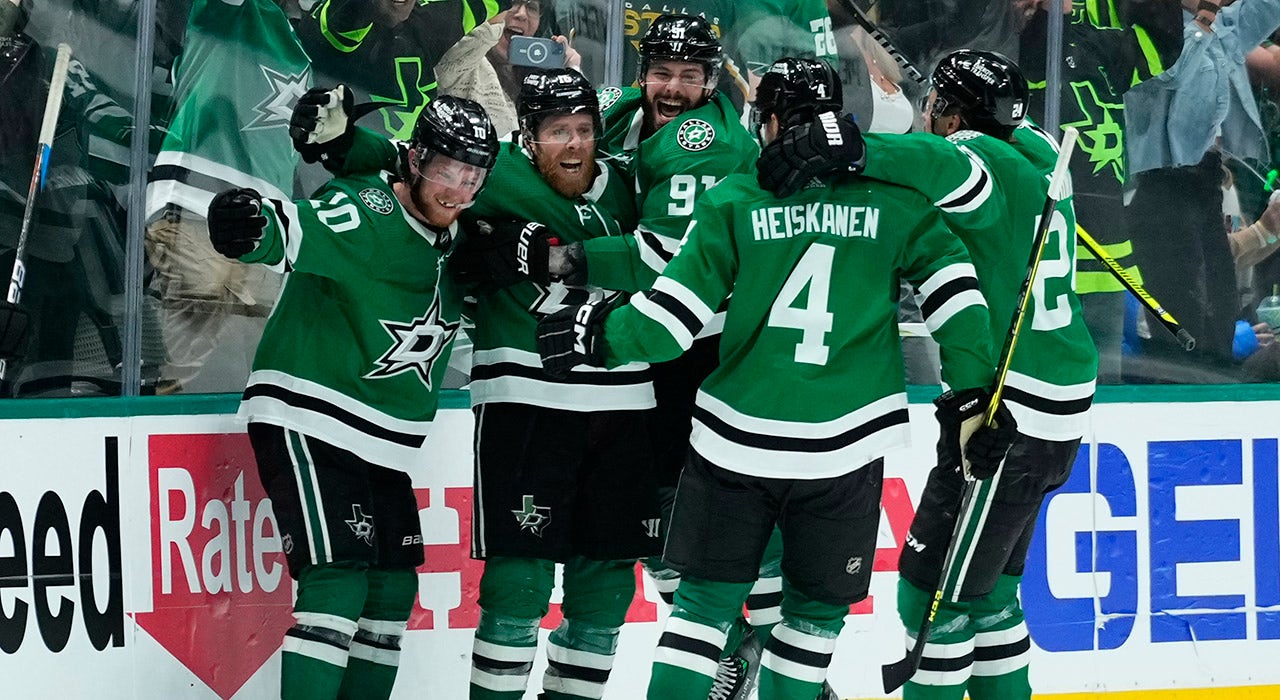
[[321, 126], [825, 145], [13, 331], [236, 221], [572, 337], [964, 443], [498, 254]]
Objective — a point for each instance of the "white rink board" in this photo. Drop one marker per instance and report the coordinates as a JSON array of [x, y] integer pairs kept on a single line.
[[1183, 498]]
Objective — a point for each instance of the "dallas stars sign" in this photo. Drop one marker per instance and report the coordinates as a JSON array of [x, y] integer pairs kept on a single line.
[[418, 344]]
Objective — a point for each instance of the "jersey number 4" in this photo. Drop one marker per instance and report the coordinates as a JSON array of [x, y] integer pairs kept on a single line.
[[812, 319]]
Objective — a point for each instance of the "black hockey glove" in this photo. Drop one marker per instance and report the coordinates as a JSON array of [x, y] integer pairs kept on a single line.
[[825, 145], [497, 254], [964, 443], [321, 126], [236, 221], [572, 337], [13, 331]]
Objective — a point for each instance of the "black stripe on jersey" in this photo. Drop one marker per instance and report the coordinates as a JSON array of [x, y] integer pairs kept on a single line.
[[489, 664], [758, 601], [1044, 405], [673, 306], [650, 239], [1002, 651], [390, 642], [970, 195], [323, 635], [187, 176], [930, 663], [697, 647], [794, 444], [795, 654], [585, 673], [285, 223], [311, 403], [943, 294], [497, 370]]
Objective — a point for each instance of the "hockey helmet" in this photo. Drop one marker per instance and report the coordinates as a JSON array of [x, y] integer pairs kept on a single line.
[[682, 38], [546, 93], [796, 89], [457, 128], [985, 88]]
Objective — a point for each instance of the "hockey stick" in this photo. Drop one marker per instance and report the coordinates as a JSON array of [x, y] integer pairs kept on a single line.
[[52, 106], [896, 674], [870, 27], [1185, 339]]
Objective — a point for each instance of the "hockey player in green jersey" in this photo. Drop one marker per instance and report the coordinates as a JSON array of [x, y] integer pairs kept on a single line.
[[587, 500], [345, 385], [808, 460], [989, 178]]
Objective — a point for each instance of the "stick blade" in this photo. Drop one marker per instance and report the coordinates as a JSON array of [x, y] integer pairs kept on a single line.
[[896, 674]]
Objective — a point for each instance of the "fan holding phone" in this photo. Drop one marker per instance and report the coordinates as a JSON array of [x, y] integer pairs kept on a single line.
[[488, 64]]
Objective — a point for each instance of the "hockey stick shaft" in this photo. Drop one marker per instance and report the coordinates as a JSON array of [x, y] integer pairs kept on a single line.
[[1167, 320], [52, 106], [883, 40], [896, 674]]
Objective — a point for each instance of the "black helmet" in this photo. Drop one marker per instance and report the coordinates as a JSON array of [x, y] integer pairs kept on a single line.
[[796, 89], [457, 128], [545, 93], [986, 89], [682, 38]]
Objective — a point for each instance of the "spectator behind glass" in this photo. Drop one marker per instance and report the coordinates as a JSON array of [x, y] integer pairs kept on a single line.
[[238, 56], [1092, 101], [479, 67], [1180, 124]]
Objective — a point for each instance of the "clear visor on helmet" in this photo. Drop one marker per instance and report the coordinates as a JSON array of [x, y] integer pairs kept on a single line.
[[561, 129], [685, 73], [448, 173], [755, 121]]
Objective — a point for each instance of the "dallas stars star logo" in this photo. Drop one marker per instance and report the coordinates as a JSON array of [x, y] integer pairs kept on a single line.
[[695, 135], [1101, 137], [283, 91], [417, 345], [532, 517], [361, 524]]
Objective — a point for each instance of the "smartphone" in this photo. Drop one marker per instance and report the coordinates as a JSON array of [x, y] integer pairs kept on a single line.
[[536, 52]]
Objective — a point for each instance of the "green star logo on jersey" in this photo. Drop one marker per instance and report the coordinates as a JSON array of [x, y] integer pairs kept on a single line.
[[361, 524], [412, 98], [695, 135], [532, 517], [608, 96], [417, 345], [1101, 137], [283, 90], [377, 200]]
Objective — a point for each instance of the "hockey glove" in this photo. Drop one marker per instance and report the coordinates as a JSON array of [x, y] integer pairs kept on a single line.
[[499, 254], [964, 443], [321, 126], [13, 331], [572, 337], [825, 145], [236, 221]]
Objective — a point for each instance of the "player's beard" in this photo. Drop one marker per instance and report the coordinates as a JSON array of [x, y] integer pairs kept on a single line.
[[567, 183]]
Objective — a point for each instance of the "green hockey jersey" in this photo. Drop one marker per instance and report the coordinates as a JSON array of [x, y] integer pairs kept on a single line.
[[357, 345], [770, 29], [240, 72], [505, 365], [671, 169], [992, 197], [810, 383]]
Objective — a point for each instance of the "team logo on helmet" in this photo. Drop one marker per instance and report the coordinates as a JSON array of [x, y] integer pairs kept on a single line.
[[695, 135], [608, 96], [377, 200]]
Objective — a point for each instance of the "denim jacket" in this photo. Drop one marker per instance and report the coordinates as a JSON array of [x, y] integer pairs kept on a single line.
[[1174, 118]]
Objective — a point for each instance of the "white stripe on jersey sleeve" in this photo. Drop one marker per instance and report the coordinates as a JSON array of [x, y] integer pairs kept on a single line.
[[975, 190], [286, 214], [655, 258], [666, 319], [958, 300], [687, 298], [953, 306]]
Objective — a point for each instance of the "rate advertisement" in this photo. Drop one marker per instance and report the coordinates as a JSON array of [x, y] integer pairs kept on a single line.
[[140, 558]]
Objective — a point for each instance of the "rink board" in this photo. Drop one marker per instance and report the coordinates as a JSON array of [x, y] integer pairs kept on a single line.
[[139, 559]]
